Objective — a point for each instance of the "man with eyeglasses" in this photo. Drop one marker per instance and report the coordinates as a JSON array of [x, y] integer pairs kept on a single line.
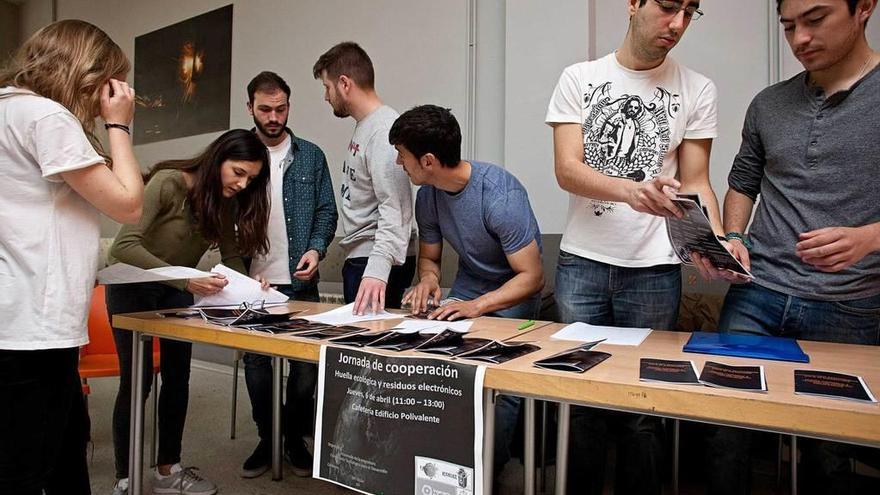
[[629, 130], [809, 150]]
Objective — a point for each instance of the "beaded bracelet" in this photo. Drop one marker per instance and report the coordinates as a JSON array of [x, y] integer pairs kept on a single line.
[[741, 238]]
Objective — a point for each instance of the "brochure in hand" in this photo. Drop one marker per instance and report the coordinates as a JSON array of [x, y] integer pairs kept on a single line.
[[451, 343], [832, 385], [578, 359], [749, 378], [668, 371], [693, 233], [497, 352]]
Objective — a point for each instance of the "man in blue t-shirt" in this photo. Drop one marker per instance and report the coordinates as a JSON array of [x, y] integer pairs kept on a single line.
[[483, 212]]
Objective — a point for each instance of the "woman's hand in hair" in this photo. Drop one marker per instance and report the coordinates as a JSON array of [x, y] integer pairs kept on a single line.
[[117, 102], [206, 286]]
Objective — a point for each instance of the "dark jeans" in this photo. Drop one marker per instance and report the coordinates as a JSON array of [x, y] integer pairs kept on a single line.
[[508, 408], [753, 309], [43, 423], [174, 368], [399, 280], [298, 411], [601, 294]]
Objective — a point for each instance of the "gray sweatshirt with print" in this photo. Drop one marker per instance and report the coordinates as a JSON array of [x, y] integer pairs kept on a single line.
[[377, 204]]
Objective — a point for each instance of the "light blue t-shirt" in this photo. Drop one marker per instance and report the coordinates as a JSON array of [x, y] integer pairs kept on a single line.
[[488, 219]]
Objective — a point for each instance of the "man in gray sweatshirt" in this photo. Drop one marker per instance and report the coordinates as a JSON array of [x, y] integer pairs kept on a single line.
[[376, 196]]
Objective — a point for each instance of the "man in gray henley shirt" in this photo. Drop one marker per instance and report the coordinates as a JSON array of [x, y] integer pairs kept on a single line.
[[810, 151]]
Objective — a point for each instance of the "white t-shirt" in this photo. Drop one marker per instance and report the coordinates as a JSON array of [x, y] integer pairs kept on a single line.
[[48, 233], [633, 122], [274, 266]]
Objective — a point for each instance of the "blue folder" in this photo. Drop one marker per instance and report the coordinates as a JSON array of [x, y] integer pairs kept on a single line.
[[752, 346]]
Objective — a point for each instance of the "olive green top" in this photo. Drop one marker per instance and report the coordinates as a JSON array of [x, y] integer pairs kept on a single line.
[[168, 235]]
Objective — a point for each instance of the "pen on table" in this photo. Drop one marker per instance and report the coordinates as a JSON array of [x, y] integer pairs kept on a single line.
[[523, 326]]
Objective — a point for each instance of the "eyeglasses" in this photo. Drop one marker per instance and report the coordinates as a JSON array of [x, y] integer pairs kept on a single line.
[[691, 11]]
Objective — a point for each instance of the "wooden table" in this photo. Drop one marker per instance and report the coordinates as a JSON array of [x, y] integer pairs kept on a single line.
[[160, 324], [613, 384]]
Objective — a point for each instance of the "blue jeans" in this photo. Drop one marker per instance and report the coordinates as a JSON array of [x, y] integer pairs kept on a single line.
[[602, 294], [399, 280], [298, 410], [753, 309], [508, 408]]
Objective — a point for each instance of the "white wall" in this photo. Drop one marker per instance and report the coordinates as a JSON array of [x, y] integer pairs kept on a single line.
[[420, 50]]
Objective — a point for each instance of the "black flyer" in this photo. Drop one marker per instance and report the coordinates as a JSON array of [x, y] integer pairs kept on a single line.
[[750, 378], [667, 371], [693, 232], [399, 425], [832, 385]]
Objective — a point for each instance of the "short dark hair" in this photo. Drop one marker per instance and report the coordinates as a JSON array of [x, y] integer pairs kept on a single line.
[[851, 3], [348, 59], [428, 129], [267, 82]]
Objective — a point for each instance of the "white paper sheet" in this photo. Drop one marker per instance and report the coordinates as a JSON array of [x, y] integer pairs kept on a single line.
[[240, 289], [584, 332], [432, 326], [344, 316], [121, 273]]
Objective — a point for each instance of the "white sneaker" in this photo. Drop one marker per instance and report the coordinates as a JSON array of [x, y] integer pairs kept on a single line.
[[121, 487], [182, 481]]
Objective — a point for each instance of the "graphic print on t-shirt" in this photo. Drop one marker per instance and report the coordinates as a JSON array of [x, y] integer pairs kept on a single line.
[[348, 174], [626, 137]]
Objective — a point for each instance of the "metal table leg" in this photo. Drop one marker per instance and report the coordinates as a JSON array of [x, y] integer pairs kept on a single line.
[[529, 448], [236, 359], [543, 471], [277, 370], [488, 439], [136, 431], [676, 430], [562, 447], [794, 458]]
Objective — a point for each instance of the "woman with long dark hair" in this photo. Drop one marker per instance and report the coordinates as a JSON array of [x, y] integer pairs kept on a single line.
[[216, 199], [55, 179]]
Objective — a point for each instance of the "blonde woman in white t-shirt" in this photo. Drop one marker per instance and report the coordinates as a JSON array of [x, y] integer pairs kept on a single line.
[[54, 180]]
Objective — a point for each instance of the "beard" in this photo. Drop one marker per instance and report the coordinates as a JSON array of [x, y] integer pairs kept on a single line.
[[269, 133]]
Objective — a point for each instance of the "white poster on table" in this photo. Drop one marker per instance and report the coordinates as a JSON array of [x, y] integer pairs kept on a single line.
[[399, 425]]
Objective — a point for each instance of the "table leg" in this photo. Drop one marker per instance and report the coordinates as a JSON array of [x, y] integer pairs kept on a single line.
[[488, 439], [676, 431], [562, 447], [543, 471], [277, 373], [794, 458], [136, 432], [529, 447]]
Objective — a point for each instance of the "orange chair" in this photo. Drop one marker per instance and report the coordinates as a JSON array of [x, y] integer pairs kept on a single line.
[[98, 358]]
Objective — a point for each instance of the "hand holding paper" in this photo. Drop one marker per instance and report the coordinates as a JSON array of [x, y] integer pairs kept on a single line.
[[239, 289]]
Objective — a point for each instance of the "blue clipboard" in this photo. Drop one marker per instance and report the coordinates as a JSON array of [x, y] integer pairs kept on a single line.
[[743, 345]]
